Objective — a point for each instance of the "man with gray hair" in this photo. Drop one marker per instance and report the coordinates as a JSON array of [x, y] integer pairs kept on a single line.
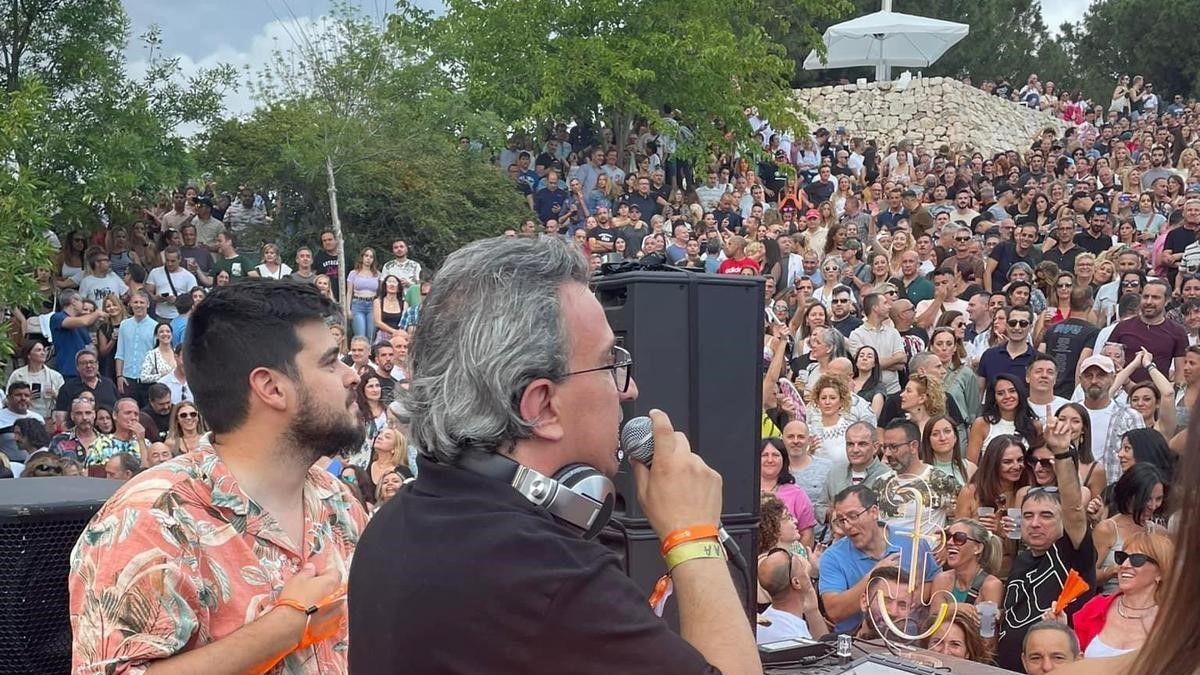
[[508, 408], [69, 331]]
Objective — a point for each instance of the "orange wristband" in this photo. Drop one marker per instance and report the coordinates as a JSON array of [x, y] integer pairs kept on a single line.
[[686, 534]]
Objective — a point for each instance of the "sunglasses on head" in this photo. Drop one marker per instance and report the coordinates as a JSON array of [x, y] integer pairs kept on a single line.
[[1135, 559], [1018, 323], [960, 538]]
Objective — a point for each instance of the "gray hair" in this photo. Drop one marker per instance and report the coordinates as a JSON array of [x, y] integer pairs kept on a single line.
[[1046, 624], [919, 360], [491, 324]]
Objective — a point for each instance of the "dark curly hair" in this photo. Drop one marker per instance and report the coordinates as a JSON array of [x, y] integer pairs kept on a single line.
[[772, 511]]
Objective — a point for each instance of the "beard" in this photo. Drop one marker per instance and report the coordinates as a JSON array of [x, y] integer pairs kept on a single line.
[[319, 431]]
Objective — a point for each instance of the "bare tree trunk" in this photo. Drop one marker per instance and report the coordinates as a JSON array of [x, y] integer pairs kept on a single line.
[[336, 224]]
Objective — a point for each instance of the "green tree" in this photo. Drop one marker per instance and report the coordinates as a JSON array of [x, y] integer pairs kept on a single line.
[[1152, 38], [615, 61]]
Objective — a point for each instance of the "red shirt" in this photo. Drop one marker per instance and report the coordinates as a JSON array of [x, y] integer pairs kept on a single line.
[[738, 265], [1090, 618]]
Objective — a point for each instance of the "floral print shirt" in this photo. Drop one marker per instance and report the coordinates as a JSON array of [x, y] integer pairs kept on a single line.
[[180, 557]]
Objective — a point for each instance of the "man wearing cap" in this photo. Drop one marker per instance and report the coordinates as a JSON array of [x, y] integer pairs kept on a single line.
[[207, 227], [1005, 196], [774, 175], [821, 189], [1110, 419]]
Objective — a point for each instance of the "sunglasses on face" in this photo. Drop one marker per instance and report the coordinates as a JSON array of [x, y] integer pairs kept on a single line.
[[1018, 323], [188, 415], [49, 468], [1135, 559], [1044, 462], [1066, 285], [960, 538], [1131, 284]]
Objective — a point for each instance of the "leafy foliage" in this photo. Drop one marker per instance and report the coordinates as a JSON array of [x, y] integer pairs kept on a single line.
[[1152, 38]]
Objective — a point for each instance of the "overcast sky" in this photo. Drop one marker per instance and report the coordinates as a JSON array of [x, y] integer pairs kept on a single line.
[[245, 32]]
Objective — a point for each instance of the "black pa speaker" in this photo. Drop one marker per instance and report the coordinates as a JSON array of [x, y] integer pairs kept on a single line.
[[40, 520], [696, 341]]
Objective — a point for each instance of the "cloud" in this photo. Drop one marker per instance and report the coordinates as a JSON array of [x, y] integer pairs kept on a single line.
[[1055, 12]]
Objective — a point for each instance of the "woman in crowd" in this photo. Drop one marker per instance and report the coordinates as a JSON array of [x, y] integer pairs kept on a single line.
[[120, 257], [272, 265], [388, 486], [816, 316], [1187, 396], [1085, 268], [1153, 400], [30, 435], [1060, 309], [358, 479], [1147, 219], [825, 345], [993, 489], [223, 278], [776, 525], [902, 242], [363, 285], [104, 420], [1146, 446], [1091, 473], [1005, 411], [106, 335], [1039, 466], [972, 555], [832, 398], [872, 274], [922, 399], [42, 379], [373, 412], [187, 428], [831, 276], [776, 478], [865, 381], [960, 382], [1137, 501], [957, 323], [1122, 621], [160, 360], [321, 281], [940, 449], [389, 453], [958, 636], [68, 263], [388, 308], [141, 245]]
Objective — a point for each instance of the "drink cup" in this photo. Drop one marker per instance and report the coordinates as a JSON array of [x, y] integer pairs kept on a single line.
[[987, 618], [1015, 516]]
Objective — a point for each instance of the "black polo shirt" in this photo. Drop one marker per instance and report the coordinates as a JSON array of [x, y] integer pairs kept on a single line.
[[105, 393], [460, 574]]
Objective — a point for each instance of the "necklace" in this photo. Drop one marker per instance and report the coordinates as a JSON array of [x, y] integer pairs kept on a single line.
[[1121, 607]]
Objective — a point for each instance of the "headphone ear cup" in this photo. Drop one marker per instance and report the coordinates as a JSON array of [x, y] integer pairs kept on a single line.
[[587, 482]]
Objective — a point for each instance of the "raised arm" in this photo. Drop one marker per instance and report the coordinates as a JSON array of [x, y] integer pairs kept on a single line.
[[1058, 439]]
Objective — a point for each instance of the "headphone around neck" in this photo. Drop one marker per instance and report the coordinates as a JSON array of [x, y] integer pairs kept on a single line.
[[578, 495]]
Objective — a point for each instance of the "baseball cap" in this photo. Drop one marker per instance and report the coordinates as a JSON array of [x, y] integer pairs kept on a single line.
[[1100, 361], [812, 213]]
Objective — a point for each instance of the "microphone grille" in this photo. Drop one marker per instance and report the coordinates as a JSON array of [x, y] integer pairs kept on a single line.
[[637, 440]]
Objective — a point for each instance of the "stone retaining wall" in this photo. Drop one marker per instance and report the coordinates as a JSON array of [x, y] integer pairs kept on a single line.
[[928, 111]]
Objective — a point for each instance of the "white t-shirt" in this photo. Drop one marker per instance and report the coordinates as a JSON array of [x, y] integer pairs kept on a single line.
[[784, 626], [97, 289], [955, 305], [1039, 411], [46, 382], [1101, 420], [183, 281]]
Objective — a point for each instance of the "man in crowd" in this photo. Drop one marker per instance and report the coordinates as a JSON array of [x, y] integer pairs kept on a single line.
[[979, 316], [69, 330], [100, 281], [913, 284], [122, 466], [156, 415], [799, 444], [1095, 239], [228, 259], [244, 215], [709, 193], [167, 283], [794, 611], [842, 311], [275, 404], [16, 407], [1165, 340], [549, 202], [861, 466], [897, 503], [1057, 538], [1065, 249], [943, 300], [1008, 253], [1070, 341], [89, 379], [1012, 356], [129, 435], [874, 332], [1110, 418], [135, 337], [80, 440], [1048, 646], [326, 260], [1041, 376], [904, 316], [196, 259], [561, 408], [401, 266], [179, 215], [867, 545], [207, 227]]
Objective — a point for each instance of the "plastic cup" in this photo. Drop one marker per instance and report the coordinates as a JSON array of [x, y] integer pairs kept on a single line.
[[987, 618], [1015, 516]]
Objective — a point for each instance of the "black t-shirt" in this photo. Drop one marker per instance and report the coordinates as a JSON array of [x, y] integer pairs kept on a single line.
[[161, 424], [105, 393], [1032, 587], [1065, 261], [605, 235], [512, 591], [847, 325], [1093, 245], [1065, 341], [647, 205], [1179, 239], [633, 237], [1005, 255], [327, 264]]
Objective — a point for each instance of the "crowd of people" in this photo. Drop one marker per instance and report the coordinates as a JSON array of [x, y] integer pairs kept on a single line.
[[979, 369]]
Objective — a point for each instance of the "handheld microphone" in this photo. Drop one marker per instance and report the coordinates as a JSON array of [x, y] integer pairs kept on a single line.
[[637, 442]]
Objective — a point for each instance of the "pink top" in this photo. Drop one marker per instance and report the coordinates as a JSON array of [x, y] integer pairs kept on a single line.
[[796, 501]]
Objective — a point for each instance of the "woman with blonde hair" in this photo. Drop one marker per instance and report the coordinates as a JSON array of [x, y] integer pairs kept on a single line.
[[187, 426], [902, 242], [832, 400], [1120, 623], [922, 399], [106, 334], [973, 556], [272, 266], [389, 452]]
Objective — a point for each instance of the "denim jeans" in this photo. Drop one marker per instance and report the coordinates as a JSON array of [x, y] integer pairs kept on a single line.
[[362, 317]]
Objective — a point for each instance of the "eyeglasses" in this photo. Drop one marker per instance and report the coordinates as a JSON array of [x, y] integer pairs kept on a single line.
[[1135, 559], [1044, 462], [842, 521], [1018, 323], [960, 538], [620, 368], [188, 415]]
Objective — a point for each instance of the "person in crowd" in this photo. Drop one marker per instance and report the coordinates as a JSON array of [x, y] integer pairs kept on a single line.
[[922, 399], [388, 307], [1109, 418], [128, 434], [122, 466], [17, 406], [1147, 446], [166, 283], [44, 382], [1041, 377], [1005, 412], [42, 465], [101, 280], [832, 396], [1057, 538], [824, 345], [1153, 400], [810, 471], [272, 265], [941, 449], [82, 438], [30, 435], [776, 478], [1048, 646], [159, 360], [107, 330], [1137, 500], [304, 272], [156, 414], [959, 637], [363, 285], [993, 489], [158, 453], [389, 454], [276, 404], [960, 383], [918, 491], [866, 379], [186, 430], [776, 526], [1014, 355], [373, 410], [886, 340], [794, 611], [1165, 340], [69, 331], [1122, 621], [135, 338], [866, 548], [973, 556]]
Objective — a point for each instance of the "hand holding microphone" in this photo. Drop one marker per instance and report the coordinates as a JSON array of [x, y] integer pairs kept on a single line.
[[674, 486]]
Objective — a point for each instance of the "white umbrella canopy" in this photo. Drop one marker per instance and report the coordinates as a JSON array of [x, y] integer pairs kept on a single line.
[[885, 39]]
